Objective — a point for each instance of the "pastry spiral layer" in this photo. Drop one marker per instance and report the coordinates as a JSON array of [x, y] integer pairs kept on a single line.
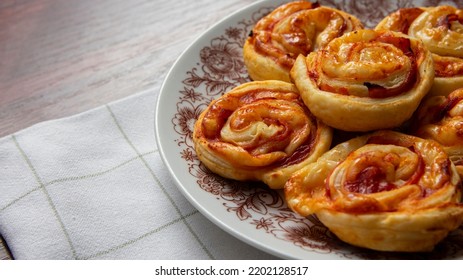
[[386, 191], [441, 118], [295, 28], [441, 30], [259, 131], [365, 80]]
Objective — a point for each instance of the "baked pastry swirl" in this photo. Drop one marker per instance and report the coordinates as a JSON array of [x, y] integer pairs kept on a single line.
[[291, 29], [441, 30], [386, 191], [259, 131], [441, 118], [365, 80]]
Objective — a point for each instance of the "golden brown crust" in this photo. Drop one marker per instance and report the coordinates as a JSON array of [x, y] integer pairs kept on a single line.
[[441, 30], [295, 28], [380, 232], [448, 74], [385, 191], [365, 80], [259, 131], [440, 118], [400, 20]]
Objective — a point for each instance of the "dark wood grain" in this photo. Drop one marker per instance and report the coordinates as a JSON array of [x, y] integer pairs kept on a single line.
[[59, 58]]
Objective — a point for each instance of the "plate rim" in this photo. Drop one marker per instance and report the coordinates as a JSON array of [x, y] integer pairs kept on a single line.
[[297, 253], [158, 104]]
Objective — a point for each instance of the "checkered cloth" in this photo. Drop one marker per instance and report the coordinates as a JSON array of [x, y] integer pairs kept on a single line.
[[93, 186]]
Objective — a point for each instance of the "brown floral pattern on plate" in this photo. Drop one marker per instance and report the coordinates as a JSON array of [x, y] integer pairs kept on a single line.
[[220, 68]]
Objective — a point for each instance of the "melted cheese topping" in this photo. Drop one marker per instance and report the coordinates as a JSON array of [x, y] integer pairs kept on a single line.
[[299, 28], [367, 63], [382, 172], [441, 30], [259, 131]]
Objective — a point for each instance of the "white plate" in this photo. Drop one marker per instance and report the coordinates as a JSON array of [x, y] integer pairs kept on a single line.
[[208, 68]]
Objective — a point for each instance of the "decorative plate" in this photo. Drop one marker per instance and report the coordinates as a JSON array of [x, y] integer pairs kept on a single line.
[[208, 68]]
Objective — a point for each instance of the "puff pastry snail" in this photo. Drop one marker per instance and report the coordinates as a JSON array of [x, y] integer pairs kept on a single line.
[[385, 191], [365, 80], [440, 118], [291, 29], [259, 131], [441, 30]]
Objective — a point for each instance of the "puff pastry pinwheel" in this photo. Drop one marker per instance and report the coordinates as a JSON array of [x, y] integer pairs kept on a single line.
[[259, 131], [385, 191], [441, 118], [291, 29], [441, 30], [365, 80]]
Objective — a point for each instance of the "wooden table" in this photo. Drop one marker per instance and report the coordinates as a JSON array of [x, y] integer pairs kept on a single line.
[[59, 58]]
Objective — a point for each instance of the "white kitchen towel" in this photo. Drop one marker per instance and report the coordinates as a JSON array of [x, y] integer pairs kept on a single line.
[[93, 186]]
